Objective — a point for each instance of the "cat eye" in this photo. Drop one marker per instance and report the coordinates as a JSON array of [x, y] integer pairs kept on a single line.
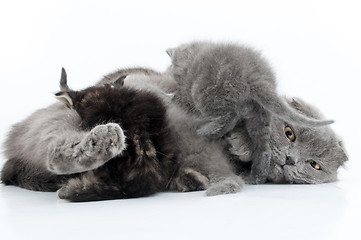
[[314, 164], [290, 134]]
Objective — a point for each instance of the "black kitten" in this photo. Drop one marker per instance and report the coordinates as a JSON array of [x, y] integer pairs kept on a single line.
[[147, 163]]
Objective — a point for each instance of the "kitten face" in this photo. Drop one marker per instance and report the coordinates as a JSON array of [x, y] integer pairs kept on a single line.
[[304, 155], [95, 104], [182, 56]]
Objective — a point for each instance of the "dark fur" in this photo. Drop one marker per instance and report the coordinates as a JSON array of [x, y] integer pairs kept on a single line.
[[49, 135], [17, 172], [147, 164]]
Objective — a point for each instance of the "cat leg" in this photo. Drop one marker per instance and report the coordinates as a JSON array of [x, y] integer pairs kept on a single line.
[[259, 130], [222, 178], [217, 103], [189, 179], [91, 151], [231, 184], [208, 170], [218, 126], [89, 187]]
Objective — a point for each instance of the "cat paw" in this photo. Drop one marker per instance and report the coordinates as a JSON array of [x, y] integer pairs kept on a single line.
[[70, 190], [254, 179], [260, 169], [189, 180], [102, 143], [226, 186]]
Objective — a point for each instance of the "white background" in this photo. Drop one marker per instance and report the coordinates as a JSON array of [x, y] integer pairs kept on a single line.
[[313, 46]]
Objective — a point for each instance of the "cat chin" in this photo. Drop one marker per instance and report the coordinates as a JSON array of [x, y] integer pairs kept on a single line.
[[277, 174], [293, 176]]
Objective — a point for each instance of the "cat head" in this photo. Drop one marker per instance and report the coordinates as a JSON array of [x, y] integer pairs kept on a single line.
[[304, 155], [183, 56], [89, 101]]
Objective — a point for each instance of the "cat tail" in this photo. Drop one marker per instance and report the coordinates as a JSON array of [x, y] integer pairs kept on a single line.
[[272, 102]]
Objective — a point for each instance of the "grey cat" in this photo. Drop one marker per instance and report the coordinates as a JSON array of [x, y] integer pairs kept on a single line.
[[299, 154], [46, 148], [227, 84], [203, 162]]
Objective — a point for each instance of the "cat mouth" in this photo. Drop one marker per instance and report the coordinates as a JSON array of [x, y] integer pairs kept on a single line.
[[279, 167]]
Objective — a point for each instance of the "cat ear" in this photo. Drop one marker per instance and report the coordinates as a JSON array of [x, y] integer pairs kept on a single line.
[[170, 52], [120, 81], [65, 98], [344, 154], [63, 81]]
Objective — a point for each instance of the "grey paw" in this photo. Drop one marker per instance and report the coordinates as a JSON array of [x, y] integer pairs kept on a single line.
[[226, 186], [102, 143], [240, 145], [189, 179], [260, 169]]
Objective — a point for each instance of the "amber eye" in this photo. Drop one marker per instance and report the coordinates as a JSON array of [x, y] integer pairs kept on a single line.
[[314, 164], [290, 134]]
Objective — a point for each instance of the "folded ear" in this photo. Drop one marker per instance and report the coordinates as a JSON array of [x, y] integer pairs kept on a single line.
[[65, 98]]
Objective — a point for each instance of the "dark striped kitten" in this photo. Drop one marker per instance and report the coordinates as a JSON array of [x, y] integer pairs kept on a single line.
[[147, 163]]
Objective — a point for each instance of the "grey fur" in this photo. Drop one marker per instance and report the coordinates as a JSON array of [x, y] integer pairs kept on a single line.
[[51, 139], [204, 163], [47, 134], [225, 84], [199, 157], [63, 81], [290, 159], [321, 145], [49, 143]]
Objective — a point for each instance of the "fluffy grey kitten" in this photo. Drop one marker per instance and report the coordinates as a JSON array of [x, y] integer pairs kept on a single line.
[[203, 162], [46, 148], [227, 84]]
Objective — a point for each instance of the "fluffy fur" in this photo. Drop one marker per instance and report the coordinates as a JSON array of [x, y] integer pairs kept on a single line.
[[207, 163], [203, 162], [55, 147], [225, 84], [311, 155], [49, 147], [149, 160]]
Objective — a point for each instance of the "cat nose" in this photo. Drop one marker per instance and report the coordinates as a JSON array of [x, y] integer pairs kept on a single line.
[[289, 161]]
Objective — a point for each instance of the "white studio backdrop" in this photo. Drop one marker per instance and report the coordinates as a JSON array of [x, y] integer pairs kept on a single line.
[[313, 46]]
